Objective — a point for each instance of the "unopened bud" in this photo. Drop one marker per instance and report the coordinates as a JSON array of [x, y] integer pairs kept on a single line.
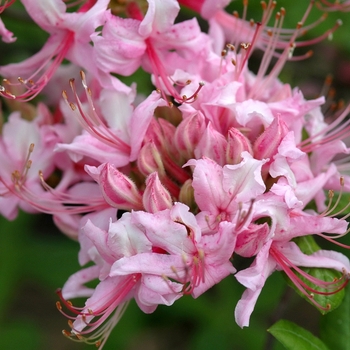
[[188, 134], [118, 190], [150, 160], [156, 197], [236, 144]]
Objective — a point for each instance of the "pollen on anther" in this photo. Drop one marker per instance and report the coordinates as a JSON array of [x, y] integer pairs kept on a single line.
[[66, 333], [58, 305]]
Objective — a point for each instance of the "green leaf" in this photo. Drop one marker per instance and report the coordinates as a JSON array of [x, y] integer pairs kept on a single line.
[[335, 326], [294, 337], [328, 302], [307, 244]]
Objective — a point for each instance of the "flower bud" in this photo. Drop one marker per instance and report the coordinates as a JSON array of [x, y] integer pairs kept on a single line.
[[150, 160], [267, 143], [236, 144], [212, 145], [118, 190], [186, 195], [156, 197], [188, 134]]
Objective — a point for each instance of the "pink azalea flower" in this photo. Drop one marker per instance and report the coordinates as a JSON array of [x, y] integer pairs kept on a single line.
[[5, 34], [114, 129], [123, 240], [152, 41], [197, 261], [286, 256], [25, 149], [223, 193], [69, 38]]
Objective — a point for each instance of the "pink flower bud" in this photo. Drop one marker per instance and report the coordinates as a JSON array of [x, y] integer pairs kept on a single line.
[[150, 160], [118, 190], [267, 143], [212, 145], [156, 197], [186, 195], [188, 134], [161, 133], [237, 143]]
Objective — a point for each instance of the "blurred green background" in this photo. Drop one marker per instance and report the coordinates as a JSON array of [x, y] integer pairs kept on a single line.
[[35, 258]]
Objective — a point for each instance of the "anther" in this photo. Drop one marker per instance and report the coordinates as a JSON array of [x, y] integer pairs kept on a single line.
[[245, 46], [66, 333]]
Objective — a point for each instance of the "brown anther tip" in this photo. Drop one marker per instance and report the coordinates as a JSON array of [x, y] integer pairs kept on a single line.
[[90, 312], [339, 22], [58, 305], [170, 104], [245, 46], [251, 22], [324, 16], [98, 343], [299, 25], [5, 81], [329, 79], [184, 97], [72, 106], [71, 82], [70, 323], [341, 104], [278, 15], [223, 53], [342, 181], [66, 333], [29, 164], [21, 80], [230, 47], [263, 5], [82, 75], [31, 82], [158, 90], [235, 14], [309, 53], [269, 32], [31, 147], [64, 94], [283, 11], [188, 82], [233, 62]]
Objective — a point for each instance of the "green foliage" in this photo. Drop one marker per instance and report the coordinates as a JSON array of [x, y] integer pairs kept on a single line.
[[335, 326], [329, 302], [294, 337]]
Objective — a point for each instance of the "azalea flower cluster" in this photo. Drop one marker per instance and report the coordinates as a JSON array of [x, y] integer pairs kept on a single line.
[[164, 191]]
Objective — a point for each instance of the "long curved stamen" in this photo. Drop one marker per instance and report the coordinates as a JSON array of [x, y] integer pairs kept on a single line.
[[45, 72], [7, 4], [333, 287], [91, 121], [101, 320], [18, 177], [334, 131], [335, 6]]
